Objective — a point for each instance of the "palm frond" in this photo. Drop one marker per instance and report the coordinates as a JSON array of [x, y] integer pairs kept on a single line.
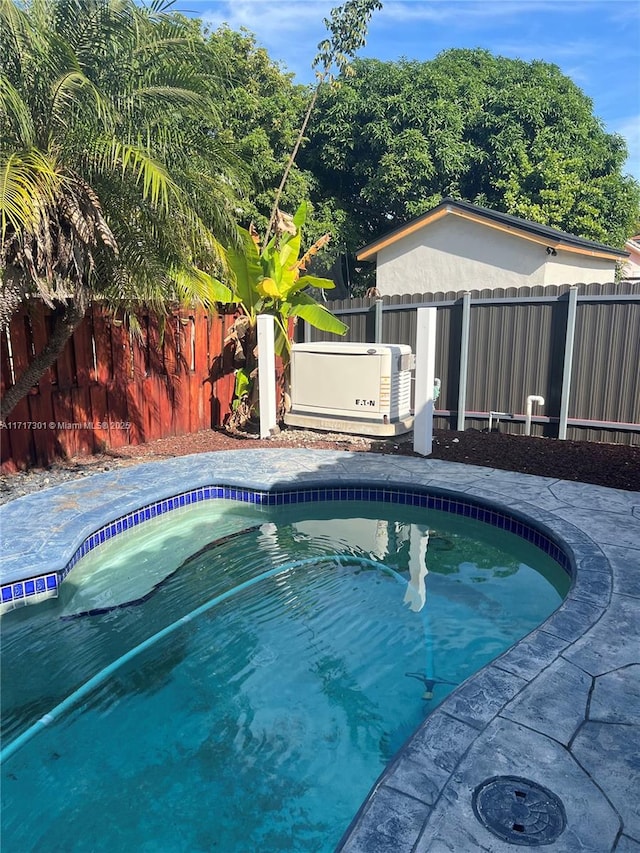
[[73, 90], [16, 113], [151, 176], [29, 182], [195, 286]]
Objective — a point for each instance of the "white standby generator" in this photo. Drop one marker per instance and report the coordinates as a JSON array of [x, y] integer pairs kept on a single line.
[[349, 387]]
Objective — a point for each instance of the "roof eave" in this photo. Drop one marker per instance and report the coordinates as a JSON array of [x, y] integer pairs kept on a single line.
[[558, 242]]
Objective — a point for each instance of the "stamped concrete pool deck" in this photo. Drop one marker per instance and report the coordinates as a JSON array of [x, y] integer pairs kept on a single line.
[[560, 709]]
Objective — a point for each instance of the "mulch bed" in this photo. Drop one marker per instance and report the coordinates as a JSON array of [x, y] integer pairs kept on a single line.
[[614, 465]]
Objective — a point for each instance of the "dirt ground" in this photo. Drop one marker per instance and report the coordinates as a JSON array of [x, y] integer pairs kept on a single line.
[[612, 465]]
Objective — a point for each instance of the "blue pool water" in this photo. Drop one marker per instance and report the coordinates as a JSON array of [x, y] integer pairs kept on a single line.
[[320, 642]]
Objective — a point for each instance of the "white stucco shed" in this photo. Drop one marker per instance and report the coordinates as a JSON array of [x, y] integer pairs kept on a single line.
[[458, 246]]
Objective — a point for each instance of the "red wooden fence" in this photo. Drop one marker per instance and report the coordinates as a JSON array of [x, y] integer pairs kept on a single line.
[[110, 389]]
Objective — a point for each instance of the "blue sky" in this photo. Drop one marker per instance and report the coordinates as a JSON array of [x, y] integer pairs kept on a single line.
[[595, 42]]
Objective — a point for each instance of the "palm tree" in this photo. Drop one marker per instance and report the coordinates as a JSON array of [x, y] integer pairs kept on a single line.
[[112, 183]]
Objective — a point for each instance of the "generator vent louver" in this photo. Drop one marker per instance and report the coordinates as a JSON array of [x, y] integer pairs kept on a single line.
[[350, 387]]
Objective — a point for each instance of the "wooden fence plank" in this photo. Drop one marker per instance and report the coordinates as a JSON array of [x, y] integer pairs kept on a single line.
[[156, 361], [169, 353], [40, 332], [83, 349], [41, 404], [117, 396], [5, 369], [63, 415], [216, 338], [101, 417], [159, 393], [44, 435], [22, 442], [65, 367], [83, 420], [201, 329], [182, 386], [7, 462], [103, 342], [20, 341], [21, 438], [166, 387]]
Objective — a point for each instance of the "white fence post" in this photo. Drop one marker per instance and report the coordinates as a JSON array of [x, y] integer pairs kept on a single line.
[[568, 362], [266, 374], [425, 380], [464, 360]]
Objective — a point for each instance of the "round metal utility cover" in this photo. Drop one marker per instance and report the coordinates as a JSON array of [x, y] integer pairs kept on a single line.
[[519, 811]]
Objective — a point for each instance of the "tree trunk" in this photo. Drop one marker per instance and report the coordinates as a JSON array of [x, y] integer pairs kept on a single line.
[[290, 162], [67, 321]]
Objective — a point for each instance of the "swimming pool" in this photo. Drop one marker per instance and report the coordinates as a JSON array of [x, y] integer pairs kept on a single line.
[[276, 668], [521, 712]]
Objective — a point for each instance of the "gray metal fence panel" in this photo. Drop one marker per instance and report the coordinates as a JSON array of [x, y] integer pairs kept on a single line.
[[517, 348], [606, 363]]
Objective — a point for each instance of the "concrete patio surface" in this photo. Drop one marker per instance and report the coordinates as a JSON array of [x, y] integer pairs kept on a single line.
[[560, 709]]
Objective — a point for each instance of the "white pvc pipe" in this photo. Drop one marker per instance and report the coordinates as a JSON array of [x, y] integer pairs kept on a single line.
[[531, 399], [497, 416]]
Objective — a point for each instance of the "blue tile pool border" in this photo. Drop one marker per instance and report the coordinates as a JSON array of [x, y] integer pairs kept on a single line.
[[33, 590]]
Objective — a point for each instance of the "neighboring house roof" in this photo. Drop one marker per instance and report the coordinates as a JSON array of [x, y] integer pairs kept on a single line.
[[550, 237], [631, 270]]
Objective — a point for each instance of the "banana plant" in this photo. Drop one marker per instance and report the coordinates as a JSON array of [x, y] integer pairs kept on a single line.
[[272, 279]]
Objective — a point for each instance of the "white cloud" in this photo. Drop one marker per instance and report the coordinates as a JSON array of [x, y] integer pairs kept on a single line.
[[272, 20], [289, 31], [468, 12], [280, 27]]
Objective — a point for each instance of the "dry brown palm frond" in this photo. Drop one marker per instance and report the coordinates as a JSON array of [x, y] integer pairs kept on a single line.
[[99, 221], [304, 260], [69, 207], [56, 250], [236, 336]]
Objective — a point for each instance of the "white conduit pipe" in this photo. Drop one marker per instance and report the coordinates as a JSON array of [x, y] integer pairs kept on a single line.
[[531, 399]]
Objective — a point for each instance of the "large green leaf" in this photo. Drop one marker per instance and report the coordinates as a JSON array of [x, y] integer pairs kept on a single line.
[[300, 216], [246, 269], [242, 386], [16, 112], [313, 312], [289, 257], [150, 174], [311, 281]]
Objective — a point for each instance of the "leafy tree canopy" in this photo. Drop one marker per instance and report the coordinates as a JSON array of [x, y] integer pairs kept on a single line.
[[514, 136], [113, 182], [260, 110]]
